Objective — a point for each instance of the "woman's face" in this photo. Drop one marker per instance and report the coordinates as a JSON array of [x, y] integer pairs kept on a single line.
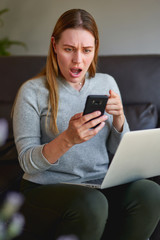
[[75, 51]]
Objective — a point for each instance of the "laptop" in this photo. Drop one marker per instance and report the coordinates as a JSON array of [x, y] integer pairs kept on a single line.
[[137, 157]]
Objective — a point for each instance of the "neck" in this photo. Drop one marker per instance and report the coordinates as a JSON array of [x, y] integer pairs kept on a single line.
[[78, 85]]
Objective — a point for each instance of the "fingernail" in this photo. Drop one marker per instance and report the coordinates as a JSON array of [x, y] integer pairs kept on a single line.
[[98, 113], [105, 117]]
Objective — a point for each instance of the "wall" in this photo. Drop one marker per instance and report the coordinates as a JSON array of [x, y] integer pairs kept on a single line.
[[125, 26]]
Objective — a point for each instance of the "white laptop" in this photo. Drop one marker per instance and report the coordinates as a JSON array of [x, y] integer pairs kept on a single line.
[[137, 157]]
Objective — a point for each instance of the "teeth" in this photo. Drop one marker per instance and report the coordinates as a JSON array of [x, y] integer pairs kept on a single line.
[[76, 71]]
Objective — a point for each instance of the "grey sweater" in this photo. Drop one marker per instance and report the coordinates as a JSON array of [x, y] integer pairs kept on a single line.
[[85, 160]]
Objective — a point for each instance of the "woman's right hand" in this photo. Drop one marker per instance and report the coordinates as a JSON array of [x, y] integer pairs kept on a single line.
[[81, 129]]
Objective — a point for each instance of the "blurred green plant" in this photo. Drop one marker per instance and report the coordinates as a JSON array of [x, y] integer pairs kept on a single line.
[[1, 12], [11, 221], [6, 43]]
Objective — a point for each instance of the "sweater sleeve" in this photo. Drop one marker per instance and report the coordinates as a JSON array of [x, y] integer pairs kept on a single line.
[[27, 133], [115, 136]]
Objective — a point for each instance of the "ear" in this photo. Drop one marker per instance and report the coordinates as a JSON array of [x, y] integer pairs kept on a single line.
[[53, 43]]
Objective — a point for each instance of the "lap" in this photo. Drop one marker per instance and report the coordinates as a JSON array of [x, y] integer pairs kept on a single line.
[[46, 204], [65, 193], [141, 188], [58, 194], [63, 208]]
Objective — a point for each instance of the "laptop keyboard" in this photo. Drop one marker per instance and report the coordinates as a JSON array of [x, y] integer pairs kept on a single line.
[[95, 181]]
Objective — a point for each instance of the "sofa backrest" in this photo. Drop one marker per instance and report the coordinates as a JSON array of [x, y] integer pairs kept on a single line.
[[138, 76], [14, 70]]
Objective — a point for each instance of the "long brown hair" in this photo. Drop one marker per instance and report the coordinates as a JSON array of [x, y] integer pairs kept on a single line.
[[74, 18]]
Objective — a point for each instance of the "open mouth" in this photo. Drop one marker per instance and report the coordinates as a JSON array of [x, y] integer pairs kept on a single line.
[[76, 71]]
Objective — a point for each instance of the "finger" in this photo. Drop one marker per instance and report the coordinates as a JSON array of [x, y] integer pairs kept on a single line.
[[77, 116], [115, 113], [112, 94], [79, 120], [114, 107], [113, 101], [92, 132], [95, 122], [117, 106], [86, 118], [113, 97]]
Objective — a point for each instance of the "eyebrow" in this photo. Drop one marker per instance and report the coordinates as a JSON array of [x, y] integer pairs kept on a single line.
[[68, 45]]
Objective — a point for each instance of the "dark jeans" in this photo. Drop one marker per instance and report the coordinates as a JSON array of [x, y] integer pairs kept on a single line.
[[126, 212]]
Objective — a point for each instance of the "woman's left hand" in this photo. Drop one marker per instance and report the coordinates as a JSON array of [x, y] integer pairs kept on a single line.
[[114, 107]]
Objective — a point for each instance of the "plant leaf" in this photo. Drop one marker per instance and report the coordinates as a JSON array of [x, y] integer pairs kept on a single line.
[[4, 10], [1, 12], [5, 43]]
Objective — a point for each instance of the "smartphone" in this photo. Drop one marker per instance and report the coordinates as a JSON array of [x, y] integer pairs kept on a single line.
[[95, 103]]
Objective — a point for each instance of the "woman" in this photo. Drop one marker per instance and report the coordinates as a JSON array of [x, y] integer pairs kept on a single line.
[[56, 143]]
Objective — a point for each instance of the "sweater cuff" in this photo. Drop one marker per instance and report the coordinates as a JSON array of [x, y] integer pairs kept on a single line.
[[39, 160]]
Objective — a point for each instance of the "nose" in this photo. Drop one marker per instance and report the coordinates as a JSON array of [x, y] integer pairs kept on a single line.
[[77, 57]]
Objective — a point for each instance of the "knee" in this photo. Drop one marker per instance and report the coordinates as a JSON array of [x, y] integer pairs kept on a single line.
[[92, 206], [147, 194], [148, 190], [86, 214]]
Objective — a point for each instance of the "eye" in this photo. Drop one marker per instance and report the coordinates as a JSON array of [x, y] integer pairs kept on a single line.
[[68, 49], [87, 50]]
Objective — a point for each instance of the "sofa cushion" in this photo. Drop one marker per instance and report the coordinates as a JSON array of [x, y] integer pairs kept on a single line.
[[141, 116], [10, 170]]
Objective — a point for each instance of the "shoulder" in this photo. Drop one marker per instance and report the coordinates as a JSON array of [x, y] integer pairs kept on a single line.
[[34, 93], [32, 96], [104, 78], [36, 85], [104, 81]]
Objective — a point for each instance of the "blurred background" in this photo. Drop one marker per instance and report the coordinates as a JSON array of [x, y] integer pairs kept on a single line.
[[125, 26]]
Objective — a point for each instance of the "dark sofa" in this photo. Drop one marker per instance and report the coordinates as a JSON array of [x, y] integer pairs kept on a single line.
[[138, 77]]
